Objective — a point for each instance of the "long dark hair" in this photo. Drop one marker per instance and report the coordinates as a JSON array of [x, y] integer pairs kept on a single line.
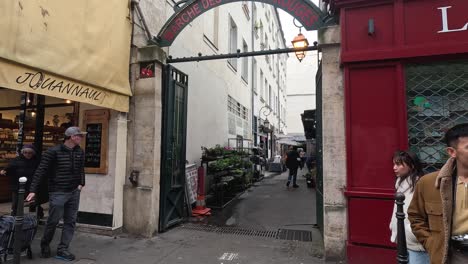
[[413, 162]]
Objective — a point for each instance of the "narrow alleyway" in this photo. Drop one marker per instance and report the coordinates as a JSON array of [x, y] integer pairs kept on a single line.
[[267, 206]]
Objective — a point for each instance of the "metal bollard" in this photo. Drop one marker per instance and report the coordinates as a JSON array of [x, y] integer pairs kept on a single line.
[[18, 235], [401, 235]]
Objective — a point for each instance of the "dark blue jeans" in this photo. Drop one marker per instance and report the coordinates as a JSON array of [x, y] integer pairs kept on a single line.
[[62, 205], [292, 175]]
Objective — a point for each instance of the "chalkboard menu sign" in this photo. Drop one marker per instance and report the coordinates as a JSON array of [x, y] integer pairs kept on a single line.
[[93, 145]]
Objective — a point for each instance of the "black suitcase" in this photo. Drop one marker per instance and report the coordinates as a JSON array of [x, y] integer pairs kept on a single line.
[[7, 230]]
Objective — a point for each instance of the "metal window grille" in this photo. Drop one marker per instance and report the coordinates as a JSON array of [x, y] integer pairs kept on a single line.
[[237, 108], [437, 99], [232, 124]]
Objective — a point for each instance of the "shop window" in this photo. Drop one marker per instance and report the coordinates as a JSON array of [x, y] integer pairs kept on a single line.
[[437, 99], [46, 116]]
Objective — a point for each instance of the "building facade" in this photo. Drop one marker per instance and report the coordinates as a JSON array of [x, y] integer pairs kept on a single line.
[[225, 96], [73, 80], [395, 73]]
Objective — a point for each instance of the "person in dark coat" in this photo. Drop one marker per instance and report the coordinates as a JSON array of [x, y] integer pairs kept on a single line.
[[22, 166], [64, 166], [292, 163]]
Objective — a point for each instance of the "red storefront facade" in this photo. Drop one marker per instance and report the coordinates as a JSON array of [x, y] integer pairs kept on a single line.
[[384, 46]]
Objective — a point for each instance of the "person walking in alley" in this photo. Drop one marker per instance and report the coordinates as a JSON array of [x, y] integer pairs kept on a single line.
[[439, 210], [64, 165], [292, 163], [408, 170]]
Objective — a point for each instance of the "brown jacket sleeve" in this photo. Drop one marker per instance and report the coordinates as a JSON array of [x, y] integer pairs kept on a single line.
[[417, 215]]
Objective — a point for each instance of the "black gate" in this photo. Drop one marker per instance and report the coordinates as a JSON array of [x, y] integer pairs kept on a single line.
[[319, 143], [173, 145]]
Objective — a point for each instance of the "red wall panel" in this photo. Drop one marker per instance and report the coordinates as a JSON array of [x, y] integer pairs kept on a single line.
[[374, 111], [368, 221], [358, 254], [356, 28], [403, 29], [422, 21]]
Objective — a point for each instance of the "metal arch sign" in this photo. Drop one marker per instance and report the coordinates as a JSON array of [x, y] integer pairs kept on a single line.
[[306, 12]]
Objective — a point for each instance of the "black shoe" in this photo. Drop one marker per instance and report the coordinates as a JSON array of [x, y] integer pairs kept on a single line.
[[45, 251], [295, 186], [287, 184], [65, 255]]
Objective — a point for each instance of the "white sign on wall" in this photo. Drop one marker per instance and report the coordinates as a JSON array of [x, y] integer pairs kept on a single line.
[[445, 21]]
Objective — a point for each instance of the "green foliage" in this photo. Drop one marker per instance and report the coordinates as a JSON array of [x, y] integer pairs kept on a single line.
[[226, 163], [219, 151], [214, 152]]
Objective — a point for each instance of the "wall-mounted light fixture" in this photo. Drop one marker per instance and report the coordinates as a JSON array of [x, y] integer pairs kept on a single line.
[[266, 110], [133, 178], [371, 27]]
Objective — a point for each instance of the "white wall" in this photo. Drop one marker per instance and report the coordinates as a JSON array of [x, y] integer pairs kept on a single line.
[[296, 106], [301, 90], [103, 192]]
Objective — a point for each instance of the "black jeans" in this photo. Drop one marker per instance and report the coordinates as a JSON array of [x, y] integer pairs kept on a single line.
[[62, 205], [458, 256]]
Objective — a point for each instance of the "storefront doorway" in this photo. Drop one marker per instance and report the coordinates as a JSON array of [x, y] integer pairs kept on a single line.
[[44, 121]]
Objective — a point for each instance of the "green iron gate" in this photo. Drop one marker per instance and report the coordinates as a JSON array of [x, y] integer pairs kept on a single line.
[[318, 151], [437, 99], [173, 146]]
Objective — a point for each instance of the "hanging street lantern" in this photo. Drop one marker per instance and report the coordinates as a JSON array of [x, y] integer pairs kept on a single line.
[[300, 42], [266, 123]]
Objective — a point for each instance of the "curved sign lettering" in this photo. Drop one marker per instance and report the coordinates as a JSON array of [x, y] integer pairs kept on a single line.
[[306, 12]]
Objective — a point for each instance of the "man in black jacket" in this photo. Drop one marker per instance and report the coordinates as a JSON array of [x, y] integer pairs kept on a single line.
[[292, 162], [64, 166]]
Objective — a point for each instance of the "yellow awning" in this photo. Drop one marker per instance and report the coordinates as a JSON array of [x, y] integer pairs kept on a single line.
[[77, 50]]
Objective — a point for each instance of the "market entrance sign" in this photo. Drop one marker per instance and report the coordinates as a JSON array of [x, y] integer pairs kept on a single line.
[[304, 11]]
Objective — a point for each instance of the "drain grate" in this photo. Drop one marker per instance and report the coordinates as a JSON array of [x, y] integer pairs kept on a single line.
[[232, 230], [298, 235], [283, 234]]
